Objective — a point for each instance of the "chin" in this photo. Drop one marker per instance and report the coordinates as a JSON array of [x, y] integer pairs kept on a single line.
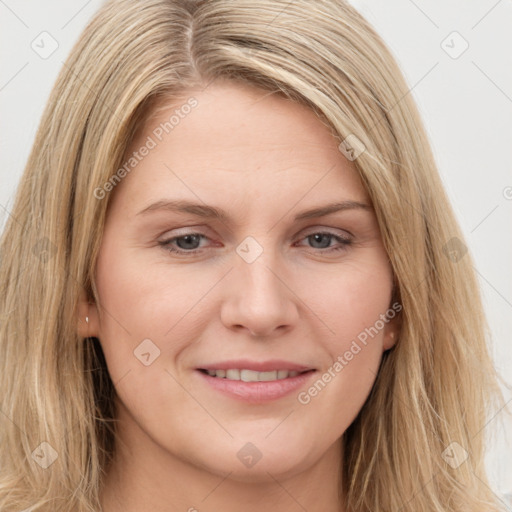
[[268, 467], [260, 461]]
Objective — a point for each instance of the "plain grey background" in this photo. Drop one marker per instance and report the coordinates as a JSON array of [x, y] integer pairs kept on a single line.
[[456, 58]]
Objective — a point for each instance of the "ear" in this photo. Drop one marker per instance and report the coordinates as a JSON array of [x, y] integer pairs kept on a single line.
[[87, 321], [391, 331]]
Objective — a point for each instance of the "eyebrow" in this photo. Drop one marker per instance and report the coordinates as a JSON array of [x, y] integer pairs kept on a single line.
[[207, 211]]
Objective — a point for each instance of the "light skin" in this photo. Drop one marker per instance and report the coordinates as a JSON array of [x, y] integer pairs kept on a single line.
[[263, 160]]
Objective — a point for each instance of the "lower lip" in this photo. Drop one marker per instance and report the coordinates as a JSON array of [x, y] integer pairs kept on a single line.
[[257, 392]]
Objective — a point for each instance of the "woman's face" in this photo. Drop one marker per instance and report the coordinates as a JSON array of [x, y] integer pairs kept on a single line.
[[263, 286]]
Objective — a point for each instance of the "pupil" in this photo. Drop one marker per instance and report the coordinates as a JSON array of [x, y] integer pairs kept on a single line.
[[193, 238], [320, 236]]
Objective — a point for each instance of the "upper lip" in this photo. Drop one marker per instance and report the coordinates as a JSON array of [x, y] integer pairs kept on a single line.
[[257, 366]]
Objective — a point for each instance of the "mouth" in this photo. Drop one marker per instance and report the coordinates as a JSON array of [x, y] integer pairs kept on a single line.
[[254, 382], [246, 375]]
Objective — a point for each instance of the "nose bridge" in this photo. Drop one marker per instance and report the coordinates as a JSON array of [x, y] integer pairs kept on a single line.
[[259, 283], [259, 301]]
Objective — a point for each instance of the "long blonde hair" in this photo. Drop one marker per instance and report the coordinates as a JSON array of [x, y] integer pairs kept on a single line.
[[436, 387]]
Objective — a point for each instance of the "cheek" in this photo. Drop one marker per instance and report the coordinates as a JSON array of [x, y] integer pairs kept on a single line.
[[140, 312], [339, 391], [139, 303], [349, 300], [352, 307]]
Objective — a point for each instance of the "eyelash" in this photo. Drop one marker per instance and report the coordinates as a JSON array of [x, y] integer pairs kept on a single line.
[[166, 244]]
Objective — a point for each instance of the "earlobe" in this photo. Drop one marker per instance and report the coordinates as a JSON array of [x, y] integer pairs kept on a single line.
[[390, 339], [393, 325], [87, 321]]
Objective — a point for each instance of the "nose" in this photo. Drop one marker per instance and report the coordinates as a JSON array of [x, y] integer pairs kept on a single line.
[[259, 300]]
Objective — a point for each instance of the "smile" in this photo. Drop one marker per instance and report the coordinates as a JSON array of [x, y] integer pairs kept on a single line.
[[251, 375], [256, 385]]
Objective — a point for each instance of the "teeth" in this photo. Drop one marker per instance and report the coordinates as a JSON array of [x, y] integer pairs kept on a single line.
[[251, 375], [233, 374], [266, 376]]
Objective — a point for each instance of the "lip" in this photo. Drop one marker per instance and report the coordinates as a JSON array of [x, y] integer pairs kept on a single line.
[[257, 392], [257, 366]]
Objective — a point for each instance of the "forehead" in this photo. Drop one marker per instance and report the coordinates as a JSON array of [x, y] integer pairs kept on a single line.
[[238, 143]]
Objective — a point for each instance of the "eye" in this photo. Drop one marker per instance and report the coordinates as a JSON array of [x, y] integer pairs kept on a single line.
[[189, 243], [322, 240]]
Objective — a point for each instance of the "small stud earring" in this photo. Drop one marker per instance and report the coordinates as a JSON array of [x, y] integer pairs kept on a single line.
[[86, 319]]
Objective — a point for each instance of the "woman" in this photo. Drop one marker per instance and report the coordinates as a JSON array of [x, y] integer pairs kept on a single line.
[[320, 346]]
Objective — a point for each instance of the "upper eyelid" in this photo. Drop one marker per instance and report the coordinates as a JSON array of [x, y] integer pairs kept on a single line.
[[310, 229]]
